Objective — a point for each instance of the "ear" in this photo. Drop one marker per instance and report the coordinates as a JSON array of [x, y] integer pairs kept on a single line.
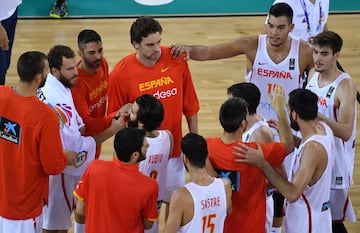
[[294, 115], [292, 27], [38, 78], [134, 157], [80, 53], [337, 55], [136, 45]]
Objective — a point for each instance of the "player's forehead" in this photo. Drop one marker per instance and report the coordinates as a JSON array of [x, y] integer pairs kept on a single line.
[[278, 21]]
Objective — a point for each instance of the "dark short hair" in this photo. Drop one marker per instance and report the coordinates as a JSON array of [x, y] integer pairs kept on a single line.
[[56, 54], [151, 112], [249, 92], [142, 27], [87, 36], [30, 64], [282, 9], [127, 141], [232, 113], [328, 39], [304, 103], [194, 147]]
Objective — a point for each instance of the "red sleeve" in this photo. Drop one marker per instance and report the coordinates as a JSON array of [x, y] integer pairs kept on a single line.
[[150, 211], [274, 153], [81, 187], [118, 87], [52, 158], [191, 102], [81, 96]]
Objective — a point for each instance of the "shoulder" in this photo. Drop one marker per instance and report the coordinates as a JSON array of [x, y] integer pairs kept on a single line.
[[124, 62], [264, 134]]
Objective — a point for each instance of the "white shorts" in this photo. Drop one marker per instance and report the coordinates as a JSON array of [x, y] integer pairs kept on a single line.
[[33, 225], [175, 176], [341, 206], [269, 211], [57, 213]]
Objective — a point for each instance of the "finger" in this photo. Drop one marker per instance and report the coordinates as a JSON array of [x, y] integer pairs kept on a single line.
[[240, 160], [237, 154]]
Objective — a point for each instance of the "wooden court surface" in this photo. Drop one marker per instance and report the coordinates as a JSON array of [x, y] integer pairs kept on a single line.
[[211, 78]]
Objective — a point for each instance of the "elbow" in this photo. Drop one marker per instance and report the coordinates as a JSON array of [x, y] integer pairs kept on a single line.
[[292, 197]]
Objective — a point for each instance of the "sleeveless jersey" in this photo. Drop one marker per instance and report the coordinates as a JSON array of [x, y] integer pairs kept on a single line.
[[209, 208], [248, 134], [157, 157], [341, 175], [311, 212], [266, 74]]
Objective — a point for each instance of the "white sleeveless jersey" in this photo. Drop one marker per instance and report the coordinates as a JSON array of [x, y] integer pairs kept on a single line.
[[248, 133], [209, 208], [342, 172], [157, 157], [311, 212], [266, 74]]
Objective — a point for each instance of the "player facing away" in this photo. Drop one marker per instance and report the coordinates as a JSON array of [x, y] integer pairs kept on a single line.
[[203, 203], [147, 113]]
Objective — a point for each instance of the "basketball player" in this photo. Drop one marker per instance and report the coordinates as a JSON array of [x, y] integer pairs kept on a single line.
[[29, 132], [113, 195], [204, 202], [337, 107], [152, 70], [56, 92], [307, 190], [147, 113], [248, 183]]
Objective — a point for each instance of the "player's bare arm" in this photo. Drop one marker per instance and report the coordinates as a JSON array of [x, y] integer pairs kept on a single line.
[[345, 99], [192, 122], [228, 193], [178, 202]]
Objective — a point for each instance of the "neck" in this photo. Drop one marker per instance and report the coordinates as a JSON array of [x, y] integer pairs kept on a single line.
[[229, 138], [200, 176], [252, 119], [152, 134], [146, 62], [308, 128], [25, 89], [330, 74]]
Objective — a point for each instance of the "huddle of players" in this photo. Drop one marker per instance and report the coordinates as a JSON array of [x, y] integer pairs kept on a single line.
[[205, 201]]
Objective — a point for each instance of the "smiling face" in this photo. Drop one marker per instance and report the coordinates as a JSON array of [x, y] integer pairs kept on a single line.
[[278, 29]]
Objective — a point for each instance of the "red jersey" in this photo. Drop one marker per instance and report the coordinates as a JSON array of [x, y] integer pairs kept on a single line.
[[248, 203], [90, 99], [117, 197], [169, 80], [30, 151]]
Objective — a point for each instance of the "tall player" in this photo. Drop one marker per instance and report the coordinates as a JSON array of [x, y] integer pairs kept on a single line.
[[147, 113], [152, 70], [337, 107]]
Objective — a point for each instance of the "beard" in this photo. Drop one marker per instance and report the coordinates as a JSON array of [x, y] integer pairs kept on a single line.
[[95, 64], [42, 82], [141, 157], [294, 125], [66, 82]]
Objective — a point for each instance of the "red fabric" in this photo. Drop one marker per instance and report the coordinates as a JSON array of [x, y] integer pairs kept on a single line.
[[168, 80], [90, 99], [117, 197], [25, 166], [248, 203]]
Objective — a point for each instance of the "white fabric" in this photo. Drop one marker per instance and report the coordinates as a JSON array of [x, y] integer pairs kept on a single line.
[[311, 212], [209, 207], [8, 7], [59, 97], [155, 166], [341, 176], [21, 226], [266, 74], [176, 177], [313, 10]]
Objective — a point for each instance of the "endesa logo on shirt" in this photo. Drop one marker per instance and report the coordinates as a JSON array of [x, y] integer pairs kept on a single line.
[[156, 83], [274, 73], [9, 130]]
